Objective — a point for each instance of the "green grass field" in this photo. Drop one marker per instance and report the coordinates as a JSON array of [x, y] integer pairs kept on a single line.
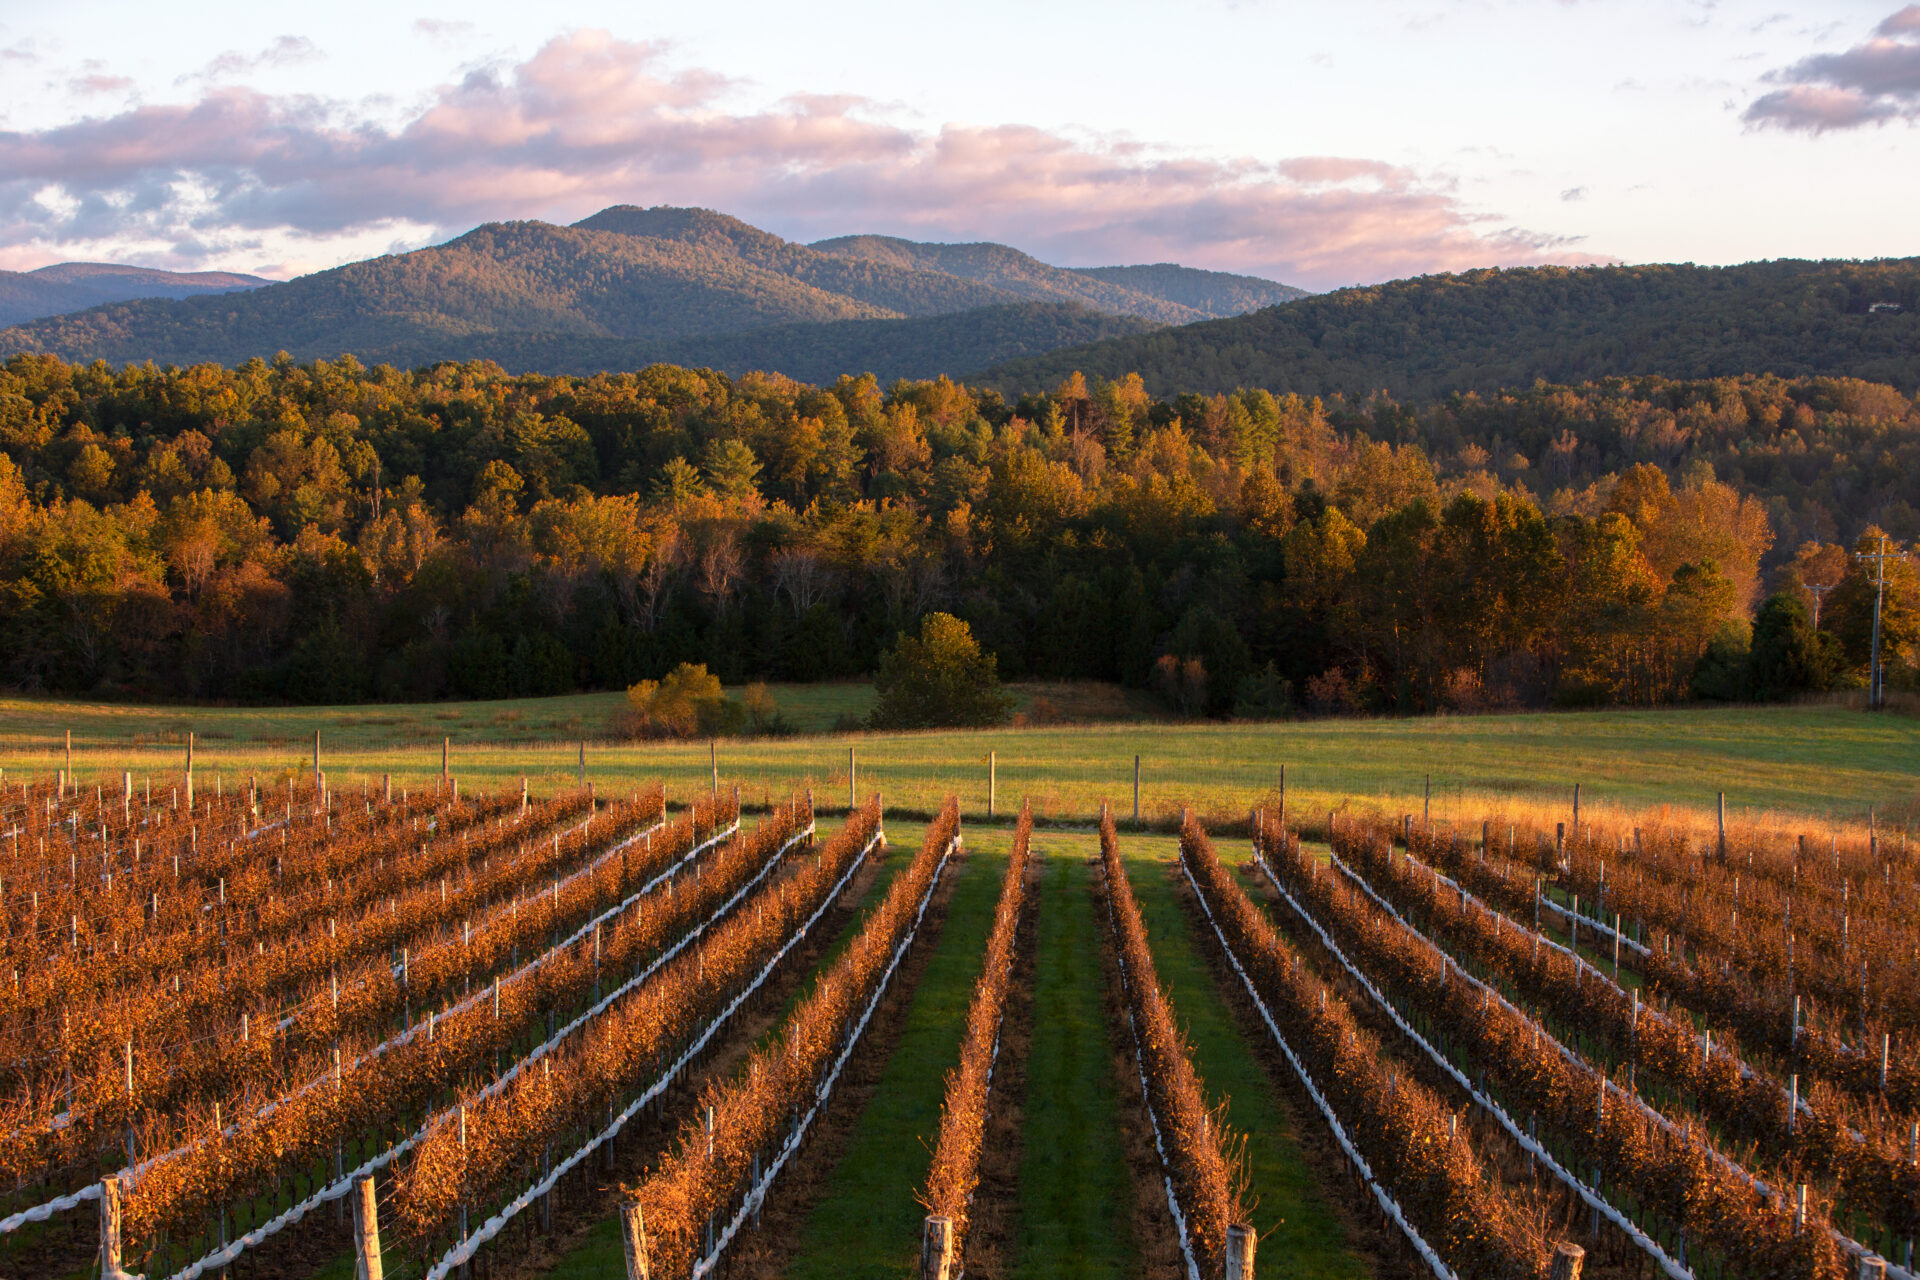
[[1813, 760]]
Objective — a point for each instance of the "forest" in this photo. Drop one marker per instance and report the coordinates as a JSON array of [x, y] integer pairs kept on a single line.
[[328, 532], [1482, 330]]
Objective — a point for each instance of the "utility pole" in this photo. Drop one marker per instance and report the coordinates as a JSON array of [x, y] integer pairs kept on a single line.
[[1818, 590], [1876, 678]]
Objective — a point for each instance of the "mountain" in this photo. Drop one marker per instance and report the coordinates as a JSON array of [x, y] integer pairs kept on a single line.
[[890, 289], [616, 290], [1481, 330], [914, 347], [1165, 293], [71, 286]]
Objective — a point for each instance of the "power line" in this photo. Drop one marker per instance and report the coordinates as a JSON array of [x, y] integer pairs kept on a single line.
[[1876, 673]]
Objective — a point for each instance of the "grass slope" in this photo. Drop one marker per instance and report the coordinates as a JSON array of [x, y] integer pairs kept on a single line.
[[1821, 760]]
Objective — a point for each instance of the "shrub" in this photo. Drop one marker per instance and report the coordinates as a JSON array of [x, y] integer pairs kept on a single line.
[[938, 679], [1264, 694], [1182, 682], [1331, 694], [1788, 656], [686, 703]]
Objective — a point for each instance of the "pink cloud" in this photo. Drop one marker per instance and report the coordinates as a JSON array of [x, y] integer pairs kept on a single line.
[[1907, 19], [96, 82], [1871, 83], [590, 121]]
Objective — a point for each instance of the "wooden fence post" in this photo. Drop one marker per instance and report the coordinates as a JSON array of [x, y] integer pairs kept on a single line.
[[991, 763], [1723, 826], [1576, 811], [633, 1238], [446, 748], [1568, 1258], [366, 1231], [581, 768], [713, 760], [936, 1248], [1136, 790], [523, 795], [316, 757], [853, 789], [1283, 798], [1873, 1267], [110, 1230], [189, 770], [1240, 1244], [1426, 806], [386, 788], [69, 778]]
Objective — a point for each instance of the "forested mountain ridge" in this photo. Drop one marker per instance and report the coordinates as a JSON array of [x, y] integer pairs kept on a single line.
[[915, 347], [1482, 330], [72, 286], [1164, 292], [622, 289], [891, 291], [1217, 293]]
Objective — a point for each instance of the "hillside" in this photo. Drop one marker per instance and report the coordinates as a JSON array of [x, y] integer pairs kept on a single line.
[[620, 289], [1487, 329], [1165, 293], [72, 286], [916, 347]]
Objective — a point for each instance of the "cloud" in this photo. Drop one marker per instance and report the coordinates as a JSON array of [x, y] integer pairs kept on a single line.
[[589, 121], [1908, 19], [1573, 194], [443, 29], [285, 51], [1871, 83], [94, 79]]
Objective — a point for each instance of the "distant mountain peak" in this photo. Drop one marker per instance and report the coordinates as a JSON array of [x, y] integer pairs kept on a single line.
[[74, 286], [72, 272], [689, 224]]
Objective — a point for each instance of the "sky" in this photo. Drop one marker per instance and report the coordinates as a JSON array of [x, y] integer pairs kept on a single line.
[[1320, 144]]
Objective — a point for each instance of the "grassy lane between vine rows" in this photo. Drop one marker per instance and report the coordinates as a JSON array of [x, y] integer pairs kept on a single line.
[[866, 1222], [1073, 1166], [1292, 1212]]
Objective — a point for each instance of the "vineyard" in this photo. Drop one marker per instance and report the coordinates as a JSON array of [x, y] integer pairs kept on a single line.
[[261, 1026]]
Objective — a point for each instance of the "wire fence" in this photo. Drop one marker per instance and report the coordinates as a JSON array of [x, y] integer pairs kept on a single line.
[[1148, 774]]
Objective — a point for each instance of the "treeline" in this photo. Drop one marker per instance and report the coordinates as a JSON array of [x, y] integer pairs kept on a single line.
[[329, 533]]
